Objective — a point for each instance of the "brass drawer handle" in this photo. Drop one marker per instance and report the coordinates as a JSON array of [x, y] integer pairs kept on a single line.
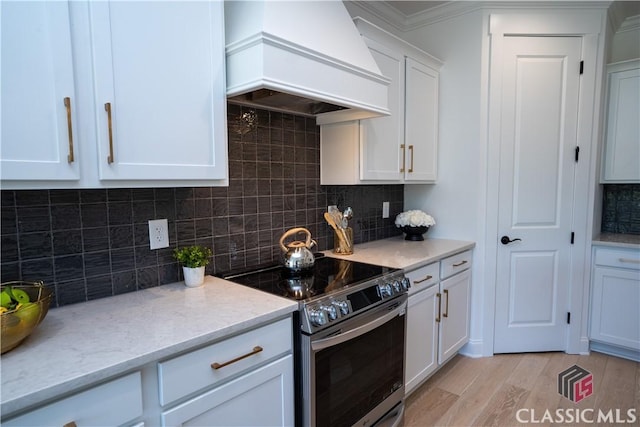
[[446, 305], [460, 263], [629, 260], [404, 160], [439, 296], [67, 104], [423, 280], [257, 349], [411, 164], [107, 108]]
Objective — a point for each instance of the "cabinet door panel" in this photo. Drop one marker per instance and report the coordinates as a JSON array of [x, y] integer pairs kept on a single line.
[[615, 318], [113, 403], [454, 326], [422, 330], [37, 75], [421, 121], [381, 137], [622, 145], [160, 65], [263, 397]]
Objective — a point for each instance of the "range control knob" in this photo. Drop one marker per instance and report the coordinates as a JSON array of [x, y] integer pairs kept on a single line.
[[385, 290], [342, 306], [397, 287], [332, 312], [317, 317], [406, 284]]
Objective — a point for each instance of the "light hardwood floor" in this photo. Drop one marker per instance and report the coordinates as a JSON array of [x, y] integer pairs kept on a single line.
[[490, 391]]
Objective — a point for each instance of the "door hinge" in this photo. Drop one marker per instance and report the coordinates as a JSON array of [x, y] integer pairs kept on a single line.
[[568, 317], [577, 153], [573, 235], [581, 67]]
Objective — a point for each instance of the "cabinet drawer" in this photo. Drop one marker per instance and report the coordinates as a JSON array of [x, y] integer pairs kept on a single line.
[[454, 264], [117, 402], [618, 258], [424, 277], [183, 375]]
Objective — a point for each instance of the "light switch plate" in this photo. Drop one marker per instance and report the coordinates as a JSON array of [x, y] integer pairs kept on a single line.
[[158, 234], [385, 209]]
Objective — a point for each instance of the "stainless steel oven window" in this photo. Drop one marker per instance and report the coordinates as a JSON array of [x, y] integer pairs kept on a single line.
[[356, 370]]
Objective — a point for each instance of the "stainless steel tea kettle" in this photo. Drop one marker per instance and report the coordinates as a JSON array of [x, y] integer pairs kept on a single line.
[[297, 254]]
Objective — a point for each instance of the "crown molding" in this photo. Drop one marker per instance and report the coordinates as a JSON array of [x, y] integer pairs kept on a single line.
[[624, 15], [452, 9]]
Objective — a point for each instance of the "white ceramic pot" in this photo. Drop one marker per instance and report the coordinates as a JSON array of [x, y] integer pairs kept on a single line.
[[193, 277]]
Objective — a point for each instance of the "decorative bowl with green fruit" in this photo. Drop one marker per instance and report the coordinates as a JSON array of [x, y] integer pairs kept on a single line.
[[23, 305]]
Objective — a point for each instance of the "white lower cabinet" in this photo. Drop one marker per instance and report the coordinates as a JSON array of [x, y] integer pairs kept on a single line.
[[115, 403], [437, 316], [245, 380], [263, 397], [615, 298]]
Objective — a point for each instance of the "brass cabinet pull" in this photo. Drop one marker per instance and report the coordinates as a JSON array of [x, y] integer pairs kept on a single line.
[[67, 104], [403, 158], [411, 151], [446, 305], [107, 108], [629, 260], [423, 280], [70, 424], [439, 296], [463, 262], [257, 349]]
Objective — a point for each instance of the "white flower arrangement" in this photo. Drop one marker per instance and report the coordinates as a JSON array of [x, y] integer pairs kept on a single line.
[[414, 218]]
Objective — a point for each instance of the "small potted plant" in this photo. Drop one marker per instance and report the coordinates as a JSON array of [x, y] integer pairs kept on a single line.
[[193, 260]]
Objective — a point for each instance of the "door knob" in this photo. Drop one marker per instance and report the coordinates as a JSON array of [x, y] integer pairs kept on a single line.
[[505, 240]]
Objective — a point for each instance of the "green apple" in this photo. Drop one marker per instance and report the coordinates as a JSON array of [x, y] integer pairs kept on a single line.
[[20, 296], [5, 299]]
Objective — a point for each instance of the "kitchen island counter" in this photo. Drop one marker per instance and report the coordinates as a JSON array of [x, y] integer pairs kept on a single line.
[[396, 252], [82, 344]]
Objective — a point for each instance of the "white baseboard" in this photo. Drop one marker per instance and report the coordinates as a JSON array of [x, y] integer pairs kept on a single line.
[[473, 349]]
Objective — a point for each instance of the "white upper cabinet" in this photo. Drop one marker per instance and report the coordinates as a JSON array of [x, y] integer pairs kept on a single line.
[[621, 160], [421, 122], [149, 101], [159, 67], [38, 92], [401, 147]]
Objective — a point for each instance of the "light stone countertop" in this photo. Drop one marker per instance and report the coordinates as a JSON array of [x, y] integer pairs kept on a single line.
[[631, 241], [395, 252], [81, 344]]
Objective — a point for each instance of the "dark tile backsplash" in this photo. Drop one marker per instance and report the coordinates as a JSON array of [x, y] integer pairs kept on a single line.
[[91, 244], [621, 208]]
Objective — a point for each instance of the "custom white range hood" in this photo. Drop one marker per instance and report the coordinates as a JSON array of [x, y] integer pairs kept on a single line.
[[303, 57]]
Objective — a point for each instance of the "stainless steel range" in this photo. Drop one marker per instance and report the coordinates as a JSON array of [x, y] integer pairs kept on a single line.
[[349, 342]]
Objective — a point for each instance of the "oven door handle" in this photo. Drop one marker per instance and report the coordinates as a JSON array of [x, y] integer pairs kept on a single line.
[[360, 330]]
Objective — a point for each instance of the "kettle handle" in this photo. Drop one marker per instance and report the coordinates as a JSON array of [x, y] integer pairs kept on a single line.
[[294, 231]]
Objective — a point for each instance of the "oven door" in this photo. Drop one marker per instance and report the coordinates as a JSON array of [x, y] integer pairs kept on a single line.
[[353, 373]]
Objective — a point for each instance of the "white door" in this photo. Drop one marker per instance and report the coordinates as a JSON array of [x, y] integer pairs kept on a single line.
[[540, 88]]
